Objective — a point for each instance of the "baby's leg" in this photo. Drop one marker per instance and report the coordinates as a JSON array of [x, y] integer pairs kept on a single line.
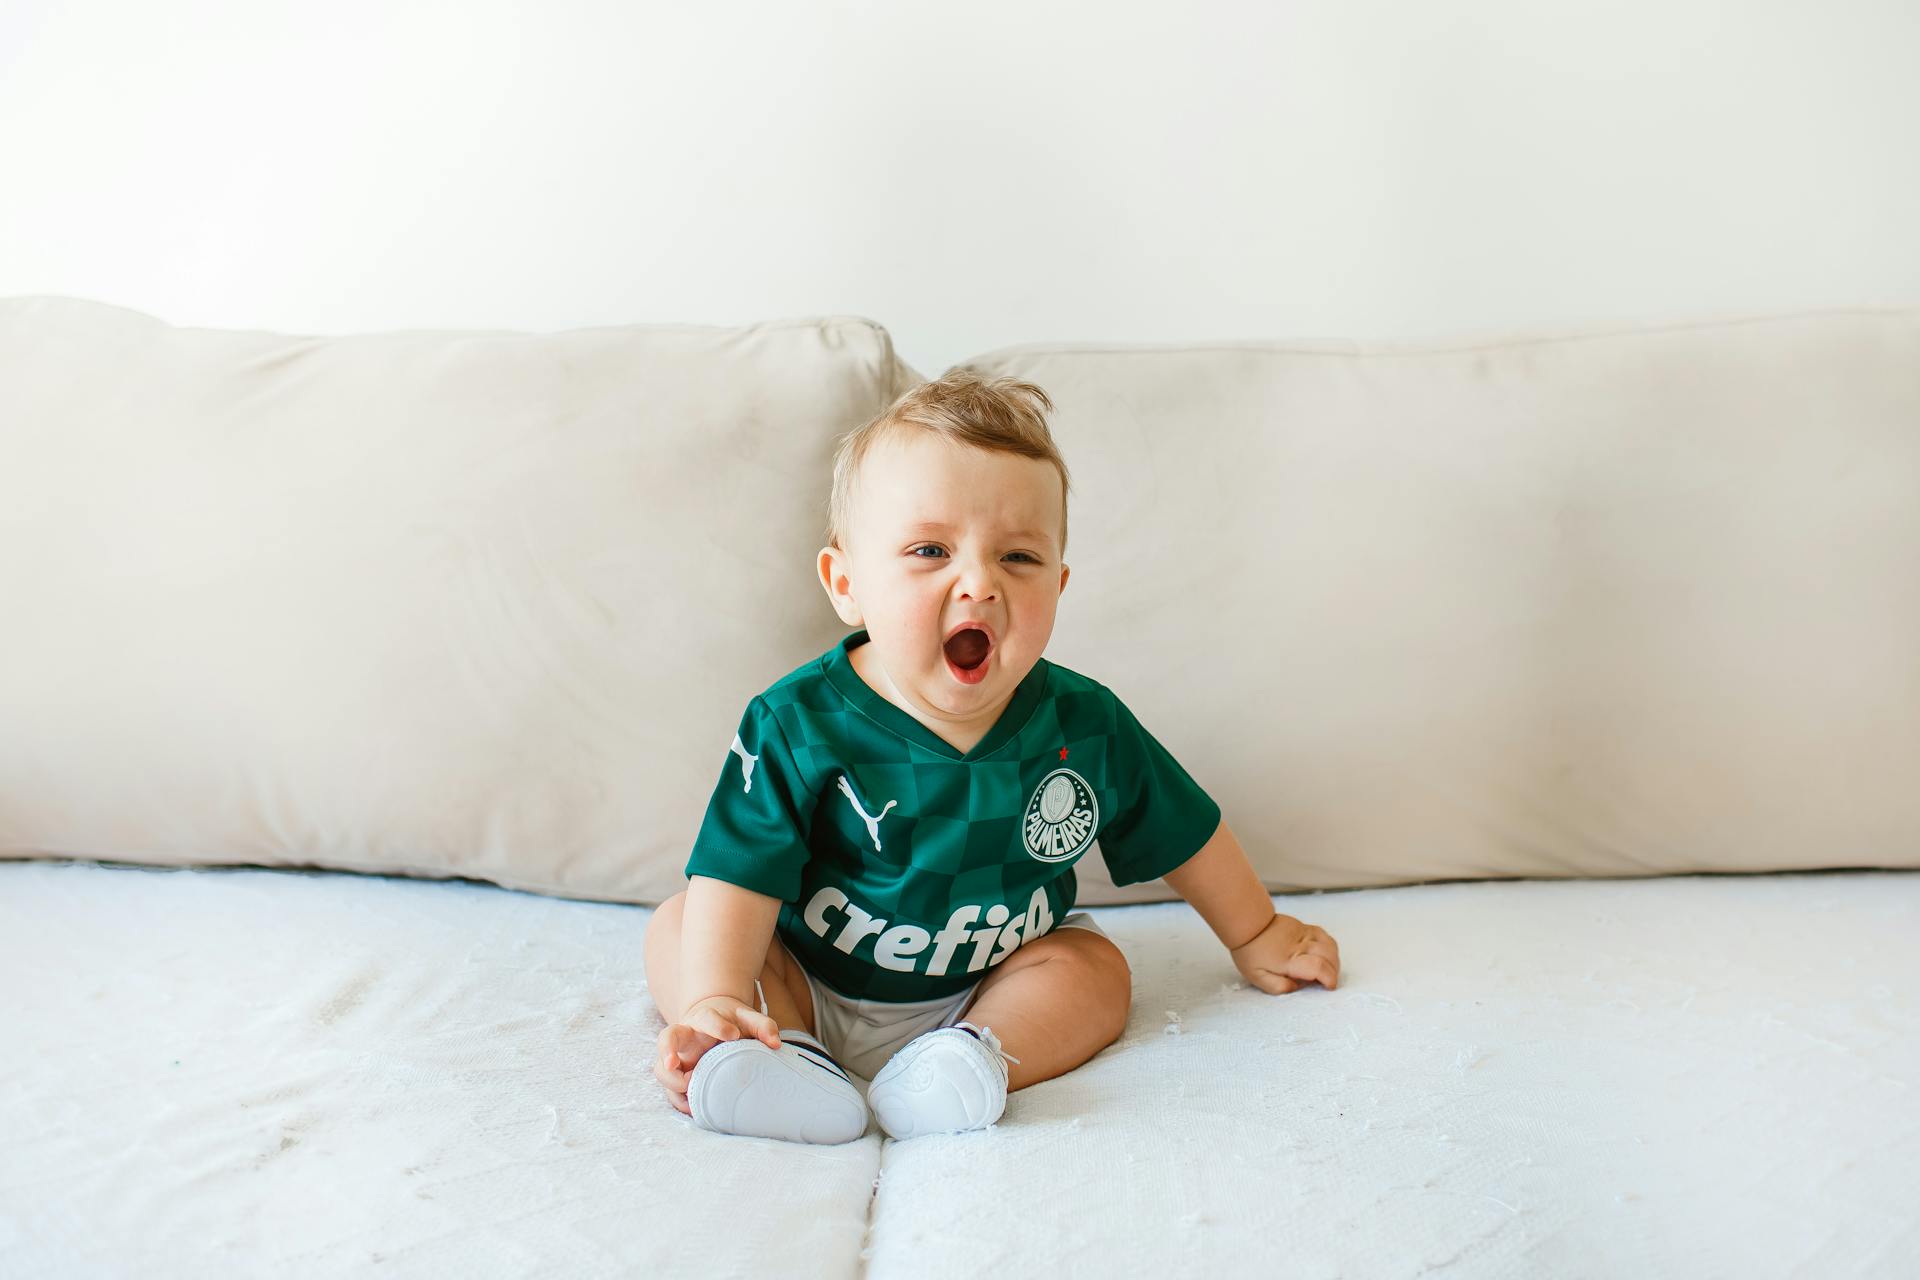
[[1054, 1003]]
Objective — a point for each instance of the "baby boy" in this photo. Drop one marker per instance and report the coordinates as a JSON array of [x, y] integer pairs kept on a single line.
[[883, 883]]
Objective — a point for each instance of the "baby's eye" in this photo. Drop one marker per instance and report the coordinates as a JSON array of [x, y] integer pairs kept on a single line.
[[915, 552]]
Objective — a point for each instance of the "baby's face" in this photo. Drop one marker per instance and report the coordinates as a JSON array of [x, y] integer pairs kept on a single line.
[[943, 534]]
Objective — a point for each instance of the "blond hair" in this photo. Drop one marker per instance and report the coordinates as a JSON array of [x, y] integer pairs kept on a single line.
[[1000, 415]]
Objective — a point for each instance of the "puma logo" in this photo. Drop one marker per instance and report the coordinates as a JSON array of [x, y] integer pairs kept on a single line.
[[872, 820], [747, 762]]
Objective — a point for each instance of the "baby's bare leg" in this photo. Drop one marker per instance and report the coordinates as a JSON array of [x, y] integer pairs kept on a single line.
[[1054, 1003], [789, 1002]]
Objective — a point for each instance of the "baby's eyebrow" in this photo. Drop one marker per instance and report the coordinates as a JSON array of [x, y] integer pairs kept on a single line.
[[934, 526]]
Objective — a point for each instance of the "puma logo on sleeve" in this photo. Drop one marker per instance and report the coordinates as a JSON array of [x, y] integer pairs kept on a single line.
[[747, 762]]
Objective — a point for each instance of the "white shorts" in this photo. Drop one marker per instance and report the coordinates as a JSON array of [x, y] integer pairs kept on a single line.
[[862, 1034]]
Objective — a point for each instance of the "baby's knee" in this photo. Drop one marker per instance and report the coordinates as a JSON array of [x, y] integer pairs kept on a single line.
[[666, 916], [661, 941], [1105, 981]]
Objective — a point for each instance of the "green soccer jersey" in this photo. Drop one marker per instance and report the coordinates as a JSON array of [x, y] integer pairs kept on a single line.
[[905, 867]]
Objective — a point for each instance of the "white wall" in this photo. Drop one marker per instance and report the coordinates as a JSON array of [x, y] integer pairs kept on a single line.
[[970, 175]]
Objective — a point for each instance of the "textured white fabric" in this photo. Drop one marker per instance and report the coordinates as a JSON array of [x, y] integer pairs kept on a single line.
[[278, 1073], [234, 1072], [1611, 604], [1656, 1078], [450, 603]]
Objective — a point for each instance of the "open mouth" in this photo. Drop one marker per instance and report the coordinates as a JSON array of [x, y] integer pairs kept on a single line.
[[968, 652]]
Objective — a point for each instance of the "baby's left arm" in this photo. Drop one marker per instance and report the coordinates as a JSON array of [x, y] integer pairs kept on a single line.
[[1274, 952]]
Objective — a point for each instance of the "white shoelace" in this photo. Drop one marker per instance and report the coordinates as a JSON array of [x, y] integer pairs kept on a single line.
[[987, 1038]]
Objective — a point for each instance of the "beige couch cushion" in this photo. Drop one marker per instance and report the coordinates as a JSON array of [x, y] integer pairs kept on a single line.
[[477, 604], [473, 603], [1608, 604]]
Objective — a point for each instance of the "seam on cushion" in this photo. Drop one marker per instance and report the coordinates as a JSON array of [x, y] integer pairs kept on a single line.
[[901, 376], [409, 872], [863, 1257], [454, 331], [896, 376], [1355, 347]]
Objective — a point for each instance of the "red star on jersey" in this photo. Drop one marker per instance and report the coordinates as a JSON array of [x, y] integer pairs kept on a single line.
[[1063, 753]]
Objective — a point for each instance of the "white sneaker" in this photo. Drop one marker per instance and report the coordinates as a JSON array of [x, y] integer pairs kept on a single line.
[[796, 1093], [942, 1082]]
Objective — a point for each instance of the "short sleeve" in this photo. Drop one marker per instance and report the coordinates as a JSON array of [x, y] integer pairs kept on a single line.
[[1165, 816], [755, 830]]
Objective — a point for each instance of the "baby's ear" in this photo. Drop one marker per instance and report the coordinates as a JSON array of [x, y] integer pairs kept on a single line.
[[832, 566]]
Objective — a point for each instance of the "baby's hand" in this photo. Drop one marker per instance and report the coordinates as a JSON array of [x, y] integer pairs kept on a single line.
[[706, 1023], [1288, 954]]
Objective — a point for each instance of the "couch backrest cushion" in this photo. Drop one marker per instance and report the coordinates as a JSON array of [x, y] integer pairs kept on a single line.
[[438, 603], [1608, 604]]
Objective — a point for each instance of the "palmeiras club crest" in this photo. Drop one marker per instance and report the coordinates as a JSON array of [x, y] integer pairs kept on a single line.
[[1061, 817]]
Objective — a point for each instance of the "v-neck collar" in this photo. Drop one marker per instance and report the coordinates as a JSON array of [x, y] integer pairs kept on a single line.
[[838, 665]]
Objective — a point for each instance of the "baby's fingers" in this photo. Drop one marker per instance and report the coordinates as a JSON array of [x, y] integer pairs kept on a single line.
[[1272, 982], [735, 1022], [1312, 966], [667, 1071], [764, 1028], [722, 1026], [1324, 955], [680, 1047], [666, 1068], [1297, 972]]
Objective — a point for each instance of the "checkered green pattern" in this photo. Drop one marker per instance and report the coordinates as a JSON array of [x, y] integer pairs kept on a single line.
[[905, 867]]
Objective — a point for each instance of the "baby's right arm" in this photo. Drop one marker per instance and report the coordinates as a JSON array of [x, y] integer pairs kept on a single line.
[[725, 931]]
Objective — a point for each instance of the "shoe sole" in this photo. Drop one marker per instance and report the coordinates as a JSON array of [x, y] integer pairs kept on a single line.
[[897, 1110], [771, 1098]]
